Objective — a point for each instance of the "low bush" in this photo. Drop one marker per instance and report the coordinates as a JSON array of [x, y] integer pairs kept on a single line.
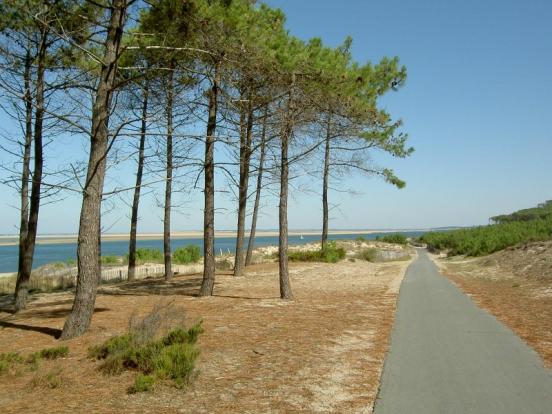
[[395, 238], [370, 255], [111, 260], [224, 264], [155, 354], [329, 254], [148, 256], [187, 254], [479, 241]]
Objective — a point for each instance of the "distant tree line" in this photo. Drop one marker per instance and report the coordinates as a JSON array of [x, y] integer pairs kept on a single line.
[[523, 226], [542, 211], [139, 79]]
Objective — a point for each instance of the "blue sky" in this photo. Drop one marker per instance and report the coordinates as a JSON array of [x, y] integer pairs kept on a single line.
[[477, 106]]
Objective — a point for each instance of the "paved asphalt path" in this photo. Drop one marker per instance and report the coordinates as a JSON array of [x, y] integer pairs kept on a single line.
[[448, 356]]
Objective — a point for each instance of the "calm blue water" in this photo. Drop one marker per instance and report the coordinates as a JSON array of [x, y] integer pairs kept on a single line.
[[48, 253]]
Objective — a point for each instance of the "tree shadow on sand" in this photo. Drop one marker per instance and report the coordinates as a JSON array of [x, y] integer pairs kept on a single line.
[[56, 333], [6, 303], [188, 286], [42, 313]]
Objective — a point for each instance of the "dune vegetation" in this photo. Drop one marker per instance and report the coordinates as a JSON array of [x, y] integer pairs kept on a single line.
[[523, 226]]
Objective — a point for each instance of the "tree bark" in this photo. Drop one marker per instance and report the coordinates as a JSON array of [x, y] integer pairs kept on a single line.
[[26, 167], [89, 232], [245, 158], [208, 282], [325, 209], [251, 243], [168, 182], [27, 252], [285, 285], [137, 189]]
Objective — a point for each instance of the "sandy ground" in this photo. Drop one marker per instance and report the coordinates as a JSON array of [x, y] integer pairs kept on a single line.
[[515, 285], [321, 353], [12, 240]]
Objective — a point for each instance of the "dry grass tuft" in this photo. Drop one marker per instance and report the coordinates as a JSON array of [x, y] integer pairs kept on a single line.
[[51, 379]]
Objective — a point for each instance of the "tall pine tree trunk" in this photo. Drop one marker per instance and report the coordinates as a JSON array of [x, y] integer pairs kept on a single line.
[[89, 232], [168, 182], [285, 285], [27, 253], [26, 167], [251, 243], [138, 187], [208, 282], [325, 209], [245, 157]]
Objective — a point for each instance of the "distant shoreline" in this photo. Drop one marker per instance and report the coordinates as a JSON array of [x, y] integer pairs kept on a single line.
[[72, 238]]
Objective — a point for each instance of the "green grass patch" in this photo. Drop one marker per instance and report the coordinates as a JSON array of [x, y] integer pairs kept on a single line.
[[54, 353], [186, 254], [142, 383], [8, 360], [329, 254], [11, 361]]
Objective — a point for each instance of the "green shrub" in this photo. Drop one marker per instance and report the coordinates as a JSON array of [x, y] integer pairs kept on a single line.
[[148, 256], [176, 362], [543, 212], [142, 383], [360, 239], [112, 346], [110, 260], [187, 254], [370, 255], [70, 262], [395, 238], [483, 240], [329, 254], [165, 357], [181, 335]]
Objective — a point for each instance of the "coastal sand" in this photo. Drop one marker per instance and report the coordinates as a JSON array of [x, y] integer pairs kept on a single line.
[[12, 240], [321, 353]]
